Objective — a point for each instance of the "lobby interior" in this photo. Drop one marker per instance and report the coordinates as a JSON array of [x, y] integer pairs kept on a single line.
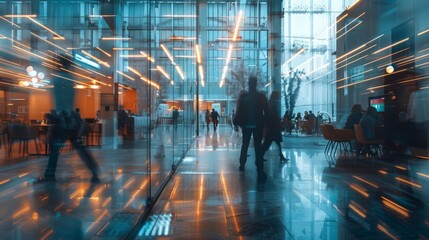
[[166, 180]]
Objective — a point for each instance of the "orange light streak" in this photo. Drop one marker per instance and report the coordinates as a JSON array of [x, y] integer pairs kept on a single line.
[[370, 79], [365, 181], [83, 76], [395, 207], [104, 52], [359, 189], [148, 81], [95, 58], [391, 45], [97, 220], [201, 70], [5, 181], [75, 81], [201, 187], [47, 234], [114, 38], [400, 167], [20, 15], [49, 42], [408, 182], [356, 210], [46, 28], [352, 51], [134, 71], [21, 212], [355, 26], [33, 54], [179, 70], [352, 5], [16, 25], [104, 204], [168, 54], [384, 230], [198, 53], [163, 71], [237, 26], [423, 32], [355, 19], [423, 175], [295, 55]]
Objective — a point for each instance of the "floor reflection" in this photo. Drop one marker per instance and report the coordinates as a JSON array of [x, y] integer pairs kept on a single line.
[[313, 196]]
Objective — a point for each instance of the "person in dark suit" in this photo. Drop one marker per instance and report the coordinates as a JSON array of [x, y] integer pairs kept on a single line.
[[251, 111], [214, 115]]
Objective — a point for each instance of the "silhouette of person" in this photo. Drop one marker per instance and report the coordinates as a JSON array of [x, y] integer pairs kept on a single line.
[[122, 119], [354, 117], [251, 110], [273, 127], [208, 119], [369, 121], [418, 115], [175, 117], [66, 124], [214, 115]]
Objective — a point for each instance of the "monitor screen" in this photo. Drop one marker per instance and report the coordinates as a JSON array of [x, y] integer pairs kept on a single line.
[[377, 102]]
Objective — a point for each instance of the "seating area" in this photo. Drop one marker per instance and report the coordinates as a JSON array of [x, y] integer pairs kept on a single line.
[[337, 138]]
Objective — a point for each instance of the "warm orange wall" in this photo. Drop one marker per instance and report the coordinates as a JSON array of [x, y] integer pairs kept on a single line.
[[88, 100], [39, 103], [129, 100]]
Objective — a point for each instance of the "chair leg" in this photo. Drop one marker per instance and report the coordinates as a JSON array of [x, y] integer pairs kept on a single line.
[[10, 146]]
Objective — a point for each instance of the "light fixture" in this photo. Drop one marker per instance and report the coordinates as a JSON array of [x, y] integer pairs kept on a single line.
[[390, 69]]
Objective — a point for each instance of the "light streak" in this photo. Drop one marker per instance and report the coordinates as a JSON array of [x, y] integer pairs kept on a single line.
[[125, 75], [59, 37], [391, 45]]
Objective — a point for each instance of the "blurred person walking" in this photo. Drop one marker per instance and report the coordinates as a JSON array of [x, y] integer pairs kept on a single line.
[[250, 116], [273, 126], [66, 125], [214, 115]]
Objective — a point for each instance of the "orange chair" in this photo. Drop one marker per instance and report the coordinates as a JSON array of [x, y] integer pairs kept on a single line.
[[339, 138], [370, 147]]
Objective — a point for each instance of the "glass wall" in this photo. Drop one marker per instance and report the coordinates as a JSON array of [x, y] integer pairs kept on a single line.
[[310, 25], [143, 74]]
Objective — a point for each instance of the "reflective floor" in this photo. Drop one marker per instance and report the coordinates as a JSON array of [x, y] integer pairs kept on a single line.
[[313, 196]]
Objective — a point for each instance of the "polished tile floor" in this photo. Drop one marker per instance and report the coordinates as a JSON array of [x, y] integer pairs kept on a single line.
[[313, 196]]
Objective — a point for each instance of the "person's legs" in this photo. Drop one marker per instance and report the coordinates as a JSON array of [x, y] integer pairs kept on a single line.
[[247, 133], [282, 157], [54, 153], [266, 144], [87, 158], [259, 161]]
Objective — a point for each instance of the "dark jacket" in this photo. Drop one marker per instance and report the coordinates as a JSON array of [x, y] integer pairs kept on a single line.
[[251, 111]]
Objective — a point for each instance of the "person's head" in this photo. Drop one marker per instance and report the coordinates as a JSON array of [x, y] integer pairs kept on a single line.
[[213, 109], [252, 83], [372, 111], [357, 108]]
